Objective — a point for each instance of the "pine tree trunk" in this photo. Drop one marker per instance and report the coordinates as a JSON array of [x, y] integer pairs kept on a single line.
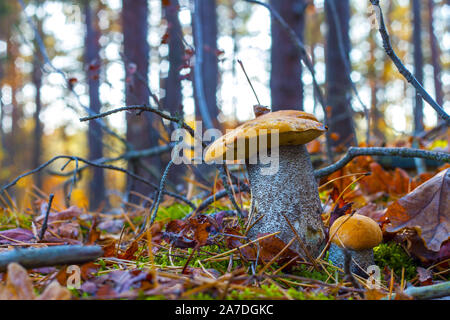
[[337, 75], [435, 59], [95, 134], [172, 101], [286, 84], [37, 144], [210, 71], [418, 64], [140, 132]]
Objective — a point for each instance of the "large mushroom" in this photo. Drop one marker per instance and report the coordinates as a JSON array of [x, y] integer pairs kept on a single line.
[[291, 190], [357, 234]]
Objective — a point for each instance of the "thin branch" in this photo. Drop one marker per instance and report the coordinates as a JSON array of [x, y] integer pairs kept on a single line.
[[222, 168], [50, 256], [383, 152], [221, 194], [401, 67], [98, 165], [161, 190], [45, 223], [142, 107], [127, 156]]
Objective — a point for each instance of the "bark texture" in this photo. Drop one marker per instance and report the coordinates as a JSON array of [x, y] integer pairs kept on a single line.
[[418, 65], [293, 192], [286, 74], [95, 134], [210, 71], [172, 101]]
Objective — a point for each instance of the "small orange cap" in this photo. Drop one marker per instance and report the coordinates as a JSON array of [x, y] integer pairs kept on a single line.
[[357, 232]]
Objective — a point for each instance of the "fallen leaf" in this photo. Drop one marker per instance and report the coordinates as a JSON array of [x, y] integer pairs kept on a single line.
[[370, 210], [18, 234], [425, 276], [426, 209], [129, 253], [374, 294], [18, 285], [55, 291]]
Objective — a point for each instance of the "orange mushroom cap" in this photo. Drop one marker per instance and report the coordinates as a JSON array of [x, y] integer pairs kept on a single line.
[[357, 232], [294, 128]]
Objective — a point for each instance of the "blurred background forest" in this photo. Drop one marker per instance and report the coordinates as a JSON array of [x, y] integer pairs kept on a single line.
[[63, 60]]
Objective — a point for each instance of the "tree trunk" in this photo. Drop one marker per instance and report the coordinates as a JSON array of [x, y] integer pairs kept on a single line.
[[418, 64], [210, 72], [95, 134], [37, 144], [418, 73], [140, 132], [172, 101], [37, 82], [375, 113], [435, 59], [286, 84], [337, 75]]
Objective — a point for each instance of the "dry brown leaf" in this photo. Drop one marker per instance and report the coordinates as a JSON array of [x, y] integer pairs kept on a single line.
[[426, 209], [425, 276], [374, 294], [18, 285], [55, 291]]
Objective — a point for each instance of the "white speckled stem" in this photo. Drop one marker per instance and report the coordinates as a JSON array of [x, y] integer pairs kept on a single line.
[[292, 191], [363, 258]]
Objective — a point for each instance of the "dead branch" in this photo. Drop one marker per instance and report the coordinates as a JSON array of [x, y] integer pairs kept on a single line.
[[383, 152], [50, 256], [98, 165], [434, 291], [45, 223], [222, 168], [401, 67], [221, 194]]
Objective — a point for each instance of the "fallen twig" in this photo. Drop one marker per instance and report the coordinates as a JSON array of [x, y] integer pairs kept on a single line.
[[428, 292], [221, 194], [379, 151], [50, 256], [45, 223]]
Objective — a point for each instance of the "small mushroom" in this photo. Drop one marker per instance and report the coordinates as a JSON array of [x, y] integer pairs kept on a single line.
[[359, 235], [292, 189]]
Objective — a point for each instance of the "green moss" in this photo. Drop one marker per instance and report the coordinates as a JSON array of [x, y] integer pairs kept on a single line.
[[271, 291], [394, 256], [175, 211], [306, 272]]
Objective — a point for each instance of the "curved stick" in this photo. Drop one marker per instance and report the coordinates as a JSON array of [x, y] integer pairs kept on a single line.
[[378, 151]]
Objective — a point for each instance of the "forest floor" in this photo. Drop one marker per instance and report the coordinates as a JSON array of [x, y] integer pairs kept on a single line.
[[207, 255]]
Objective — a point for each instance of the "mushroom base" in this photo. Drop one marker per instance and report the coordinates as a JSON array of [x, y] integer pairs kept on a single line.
[[363, 259], [291, 191]]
